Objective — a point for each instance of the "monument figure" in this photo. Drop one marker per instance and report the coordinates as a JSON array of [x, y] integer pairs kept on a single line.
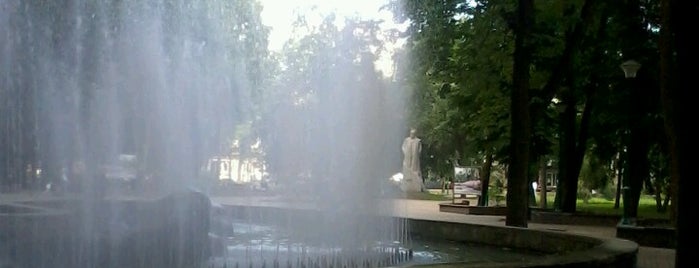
[[412, 176]]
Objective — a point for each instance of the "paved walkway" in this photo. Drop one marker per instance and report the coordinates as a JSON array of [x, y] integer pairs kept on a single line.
[[648, 257]]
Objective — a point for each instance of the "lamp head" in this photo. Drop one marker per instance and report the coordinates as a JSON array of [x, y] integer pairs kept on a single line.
[[630, 68]]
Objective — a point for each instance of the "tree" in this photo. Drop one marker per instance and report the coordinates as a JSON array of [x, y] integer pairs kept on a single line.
[[518, 173], [676, 35], [332, 106]]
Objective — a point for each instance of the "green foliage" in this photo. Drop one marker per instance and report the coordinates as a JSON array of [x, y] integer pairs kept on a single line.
[[584, 193], [594, 175], [607, 192], [460, 67], [455, 70], [457, 73], [496, 191], [330, 102], [128, 73]]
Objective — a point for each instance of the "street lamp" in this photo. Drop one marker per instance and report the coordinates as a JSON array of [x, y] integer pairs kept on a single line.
[[630, 69]]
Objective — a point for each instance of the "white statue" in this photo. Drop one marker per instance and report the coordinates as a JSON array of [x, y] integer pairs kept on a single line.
[[412, 176]]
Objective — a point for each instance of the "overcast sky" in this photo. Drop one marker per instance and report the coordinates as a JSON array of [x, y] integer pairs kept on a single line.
[[279, 15]]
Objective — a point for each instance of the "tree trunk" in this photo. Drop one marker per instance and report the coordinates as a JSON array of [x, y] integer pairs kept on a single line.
[[680, 18], [485, 180], [667, 71], [518, 177], [570, 159], [542, 183], [619, 174], [568, 182]]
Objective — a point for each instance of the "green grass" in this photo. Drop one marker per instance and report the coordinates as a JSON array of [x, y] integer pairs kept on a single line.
[[595, 205], [603, 206], [426, 196]]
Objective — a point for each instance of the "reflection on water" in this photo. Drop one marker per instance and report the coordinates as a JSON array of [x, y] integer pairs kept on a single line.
[[259, 245]]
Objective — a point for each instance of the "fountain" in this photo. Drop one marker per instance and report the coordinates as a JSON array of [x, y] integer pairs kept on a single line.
[[85, 82]]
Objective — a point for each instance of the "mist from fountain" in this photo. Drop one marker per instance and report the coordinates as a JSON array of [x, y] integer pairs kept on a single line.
[[86, 81]]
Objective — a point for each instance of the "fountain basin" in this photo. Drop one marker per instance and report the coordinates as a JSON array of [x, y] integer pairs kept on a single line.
[[76, 232], [538, 248], [47, 234]]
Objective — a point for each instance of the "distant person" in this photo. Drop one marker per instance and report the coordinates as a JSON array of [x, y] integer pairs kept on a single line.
[[412, 176]]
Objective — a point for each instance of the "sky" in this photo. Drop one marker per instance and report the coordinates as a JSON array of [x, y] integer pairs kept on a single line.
[[279, 15]]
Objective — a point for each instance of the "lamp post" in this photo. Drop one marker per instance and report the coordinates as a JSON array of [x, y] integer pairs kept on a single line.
[[630, 69]]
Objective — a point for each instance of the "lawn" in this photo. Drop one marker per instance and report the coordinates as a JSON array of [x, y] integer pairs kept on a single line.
[[603, 206], [427, 196], [595, 205]]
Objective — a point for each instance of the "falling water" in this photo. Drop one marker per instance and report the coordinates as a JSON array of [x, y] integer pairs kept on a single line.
[[84, 82], [105, 78]]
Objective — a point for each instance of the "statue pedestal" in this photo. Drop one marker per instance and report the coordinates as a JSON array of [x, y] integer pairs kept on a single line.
[[411, 185]]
